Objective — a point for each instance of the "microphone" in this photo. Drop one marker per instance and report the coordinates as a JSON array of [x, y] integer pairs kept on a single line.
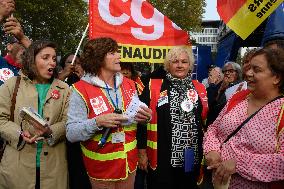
[[107, 131], [104, 137]]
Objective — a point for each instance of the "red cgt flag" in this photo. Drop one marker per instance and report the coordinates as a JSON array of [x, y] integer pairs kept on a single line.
[[244, 16], [144, 34]]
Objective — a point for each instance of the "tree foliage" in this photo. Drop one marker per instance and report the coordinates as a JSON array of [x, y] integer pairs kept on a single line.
[[187, 14], [61, 21]]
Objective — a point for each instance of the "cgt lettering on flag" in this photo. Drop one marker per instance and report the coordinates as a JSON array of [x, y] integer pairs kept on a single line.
[[144, 33]]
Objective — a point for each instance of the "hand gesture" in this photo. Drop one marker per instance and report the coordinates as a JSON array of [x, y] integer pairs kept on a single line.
[[142, 160], [225, 83], [223, 171], [110, 120], [215, 76], [27, 137], [212, 158], [12, 26], [79, 70], [143, 115], [68, 69]]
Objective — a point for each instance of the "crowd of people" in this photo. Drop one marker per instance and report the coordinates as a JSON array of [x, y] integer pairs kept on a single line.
[[96, 125]]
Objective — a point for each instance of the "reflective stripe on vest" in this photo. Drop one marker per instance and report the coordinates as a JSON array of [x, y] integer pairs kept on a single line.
[[151, 127], [152, 144], [109, 156]]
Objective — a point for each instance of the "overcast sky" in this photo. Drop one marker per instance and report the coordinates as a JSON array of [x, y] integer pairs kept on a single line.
[[211, 10]]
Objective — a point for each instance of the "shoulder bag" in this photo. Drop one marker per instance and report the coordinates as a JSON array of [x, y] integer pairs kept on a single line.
[[12, 109]]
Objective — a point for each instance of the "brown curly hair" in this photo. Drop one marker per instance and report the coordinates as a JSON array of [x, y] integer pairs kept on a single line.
[[94, 53]]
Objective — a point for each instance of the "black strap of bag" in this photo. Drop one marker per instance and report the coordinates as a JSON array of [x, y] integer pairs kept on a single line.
[[12, 109], [245, 121], [13, 100]]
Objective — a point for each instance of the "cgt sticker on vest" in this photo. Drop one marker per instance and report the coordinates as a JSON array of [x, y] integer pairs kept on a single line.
[[164, 99], [98, 104], [5, 74]]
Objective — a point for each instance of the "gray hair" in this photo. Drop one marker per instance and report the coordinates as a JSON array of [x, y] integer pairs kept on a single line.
[[175, 52], [236, 67]]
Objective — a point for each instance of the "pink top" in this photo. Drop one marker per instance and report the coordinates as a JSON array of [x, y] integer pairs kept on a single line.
[[253, 147]]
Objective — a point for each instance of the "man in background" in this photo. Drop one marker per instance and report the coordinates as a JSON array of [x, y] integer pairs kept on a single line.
[[17, 42]]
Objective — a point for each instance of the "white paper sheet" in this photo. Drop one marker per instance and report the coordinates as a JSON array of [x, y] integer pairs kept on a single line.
[[132, 110]]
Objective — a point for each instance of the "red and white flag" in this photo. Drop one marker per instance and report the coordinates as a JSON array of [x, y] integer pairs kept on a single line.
[[143, 33]]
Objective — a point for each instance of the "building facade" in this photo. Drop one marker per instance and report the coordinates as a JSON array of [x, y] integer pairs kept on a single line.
[[209, 34]]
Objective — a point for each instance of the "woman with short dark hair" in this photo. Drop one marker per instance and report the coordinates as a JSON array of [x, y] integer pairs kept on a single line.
[[93, 62], [98, 117]]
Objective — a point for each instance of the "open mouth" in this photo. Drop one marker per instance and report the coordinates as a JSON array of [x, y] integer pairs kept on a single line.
[[50, 71]]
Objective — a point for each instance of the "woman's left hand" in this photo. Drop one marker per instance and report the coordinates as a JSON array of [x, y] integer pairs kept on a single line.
[[143, 115], [223, 171]]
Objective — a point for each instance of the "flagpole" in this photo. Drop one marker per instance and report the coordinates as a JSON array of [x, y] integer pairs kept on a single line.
[[83, 36]]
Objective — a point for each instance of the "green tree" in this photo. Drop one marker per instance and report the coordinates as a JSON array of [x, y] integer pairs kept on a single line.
[[187, 14], [61, 21]]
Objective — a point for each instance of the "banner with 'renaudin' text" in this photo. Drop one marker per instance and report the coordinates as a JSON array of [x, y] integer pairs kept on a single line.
[[244, 16], [143, 33]]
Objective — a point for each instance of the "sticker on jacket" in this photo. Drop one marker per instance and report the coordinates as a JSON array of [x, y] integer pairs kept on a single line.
[[6, 74], [163, 99], [192, 95], [98, 104]]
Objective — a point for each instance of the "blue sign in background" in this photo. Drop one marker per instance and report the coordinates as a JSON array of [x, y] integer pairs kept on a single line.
[[203, 58]]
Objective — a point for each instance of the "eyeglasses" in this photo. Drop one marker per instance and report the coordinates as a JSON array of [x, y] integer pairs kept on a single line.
[[229, 71]]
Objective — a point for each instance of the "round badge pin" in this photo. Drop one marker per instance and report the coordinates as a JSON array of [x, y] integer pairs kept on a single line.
[[55, 94], [192, 95], [187, 105]]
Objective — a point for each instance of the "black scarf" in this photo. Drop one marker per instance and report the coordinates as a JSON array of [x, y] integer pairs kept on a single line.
[[184, 126]]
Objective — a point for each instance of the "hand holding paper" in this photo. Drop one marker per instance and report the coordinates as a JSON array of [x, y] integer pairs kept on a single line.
[[143, 115], [137, 111]]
